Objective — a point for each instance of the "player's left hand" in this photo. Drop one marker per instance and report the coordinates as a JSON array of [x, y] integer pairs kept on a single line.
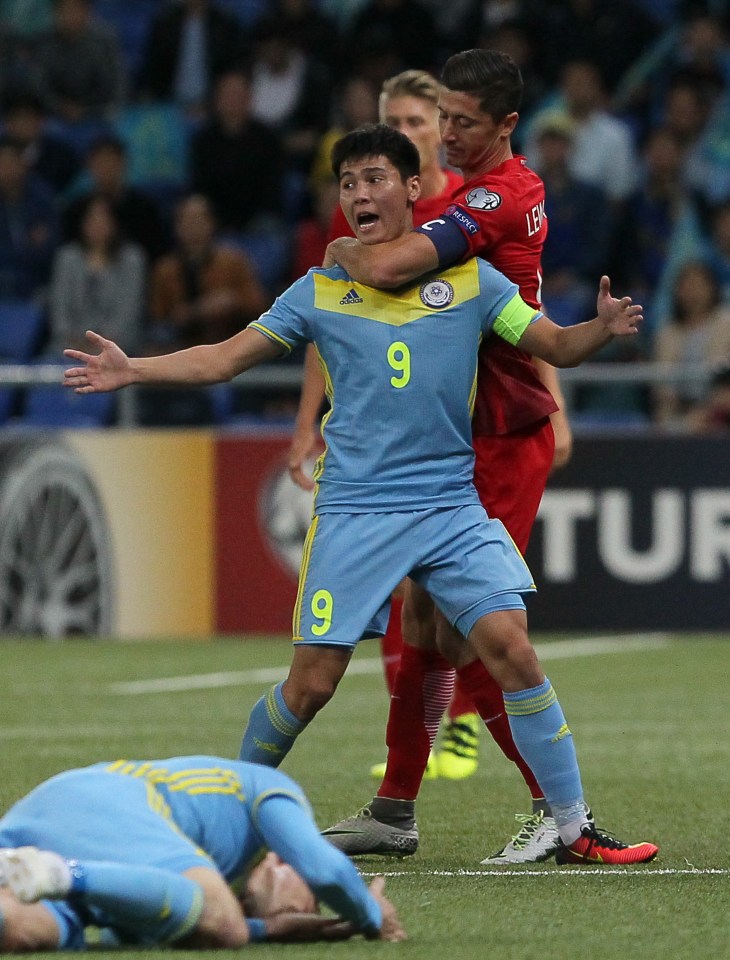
[[108, 370], [620, 317]]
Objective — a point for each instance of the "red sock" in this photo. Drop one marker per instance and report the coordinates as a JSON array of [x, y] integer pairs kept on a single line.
[[423, 687], [461, 702], [487, 698], [391, 643]]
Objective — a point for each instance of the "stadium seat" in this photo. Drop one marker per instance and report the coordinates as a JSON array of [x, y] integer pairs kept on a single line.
[[60, 407], [21, 329]]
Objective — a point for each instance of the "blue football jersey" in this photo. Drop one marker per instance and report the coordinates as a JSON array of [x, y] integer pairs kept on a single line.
[[400, 372]]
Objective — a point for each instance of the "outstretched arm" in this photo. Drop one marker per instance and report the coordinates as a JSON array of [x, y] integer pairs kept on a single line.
[[111, 369], [570, 346], [385, 265]]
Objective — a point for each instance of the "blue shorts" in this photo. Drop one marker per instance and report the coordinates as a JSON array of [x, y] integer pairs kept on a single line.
[[352, 563]]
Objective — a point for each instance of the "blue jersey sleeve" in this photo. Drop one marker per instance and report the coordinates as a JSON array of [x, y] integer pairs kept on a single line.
[[288, 321], [288, 829]]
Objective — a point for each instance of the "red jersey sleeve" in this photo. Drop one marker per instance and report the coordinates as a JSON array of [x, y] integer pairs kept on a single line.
[[505, 210]]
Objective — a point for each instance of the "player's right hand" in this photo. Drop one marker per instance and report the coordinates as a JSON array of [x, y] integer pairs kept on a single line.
[[100, 373], [306, 928], [390, 928], [302, 445]]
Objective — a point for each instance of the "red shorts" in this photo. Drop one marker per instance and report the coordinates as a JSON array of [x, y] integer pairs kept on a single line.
[[510, 474]]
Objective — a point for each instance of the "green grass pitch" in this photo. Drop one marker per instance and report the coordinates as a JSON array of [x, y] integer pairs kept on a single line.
[[651, 728]]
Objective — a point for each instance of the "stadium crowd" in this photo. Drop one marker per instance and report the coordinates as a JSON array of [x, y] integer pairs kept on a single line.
[[164, 168]]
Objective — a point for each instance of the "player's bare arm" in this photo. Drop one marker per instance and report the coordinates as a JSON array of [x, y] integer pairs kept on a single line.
[[111, 369], [385, 265], [304, 439], [561, 424], [570, 346]]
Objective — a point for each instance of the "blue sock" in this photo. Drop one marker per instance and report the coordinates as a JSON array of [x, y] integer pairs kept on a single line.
[[271, 731], [157, 905], [546, 744]]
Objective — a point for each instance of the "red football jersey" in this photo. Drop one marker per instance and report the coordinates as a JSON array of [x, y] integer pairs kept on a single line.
[[502, 215], [425, 208]]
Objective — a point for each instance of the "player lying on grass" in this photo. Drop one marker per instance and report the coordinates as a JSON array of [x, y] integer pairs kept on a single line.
[[151, 852], [395, 494]]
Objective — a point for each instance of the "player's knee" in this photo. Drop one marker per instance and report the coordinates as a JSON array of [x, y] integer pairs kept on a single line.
[[306, 696], [504, 648]]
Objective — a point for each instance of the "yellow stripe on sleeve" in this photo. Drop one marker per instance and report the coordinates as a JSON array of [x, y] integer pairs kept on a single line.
[[257, 325]]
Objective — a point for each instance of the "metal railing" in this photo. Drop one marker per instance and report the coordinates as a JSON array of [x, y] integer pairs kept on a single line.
[[285, 377]]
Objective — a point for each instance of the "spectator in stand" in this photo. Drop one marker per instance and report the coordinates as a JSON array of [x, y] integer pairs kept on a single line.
[[696, 332], [700, 56], [237, 161], [577, 242], [459, 22], [29, 228], [603, 151], [291, 93], [201, 292], [686, 111], [98, 283], [404, 26], [315, 32], [713, 414], [78, 62], [138, 215], [191, 43], [718, 249], [312, 234], [514, 37], [651, 215], [45, 153], [355, 105], [611, 34]]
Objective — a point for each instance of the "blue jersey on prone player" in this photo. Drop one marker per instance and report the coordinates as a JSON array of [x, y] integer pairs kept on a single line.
[[176, 814], [400, 371]]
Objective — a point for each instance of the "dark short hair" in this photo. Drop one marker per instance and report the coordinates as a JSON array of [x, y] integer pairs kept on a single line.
[[490, 75], [377, 140]]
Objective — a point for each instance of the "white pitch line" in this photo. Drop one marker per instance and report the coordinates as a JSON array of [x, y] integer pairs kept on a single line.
[[579, 872], [560, 650]]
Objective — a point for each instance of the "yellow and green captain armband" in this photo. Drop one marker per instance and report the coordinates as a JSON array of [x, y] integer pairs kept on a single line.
[[514, 318]]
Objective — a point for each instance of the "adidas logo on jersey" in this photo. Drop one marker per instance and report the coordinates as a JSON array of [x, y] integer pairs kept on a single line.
[[350, 298]]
